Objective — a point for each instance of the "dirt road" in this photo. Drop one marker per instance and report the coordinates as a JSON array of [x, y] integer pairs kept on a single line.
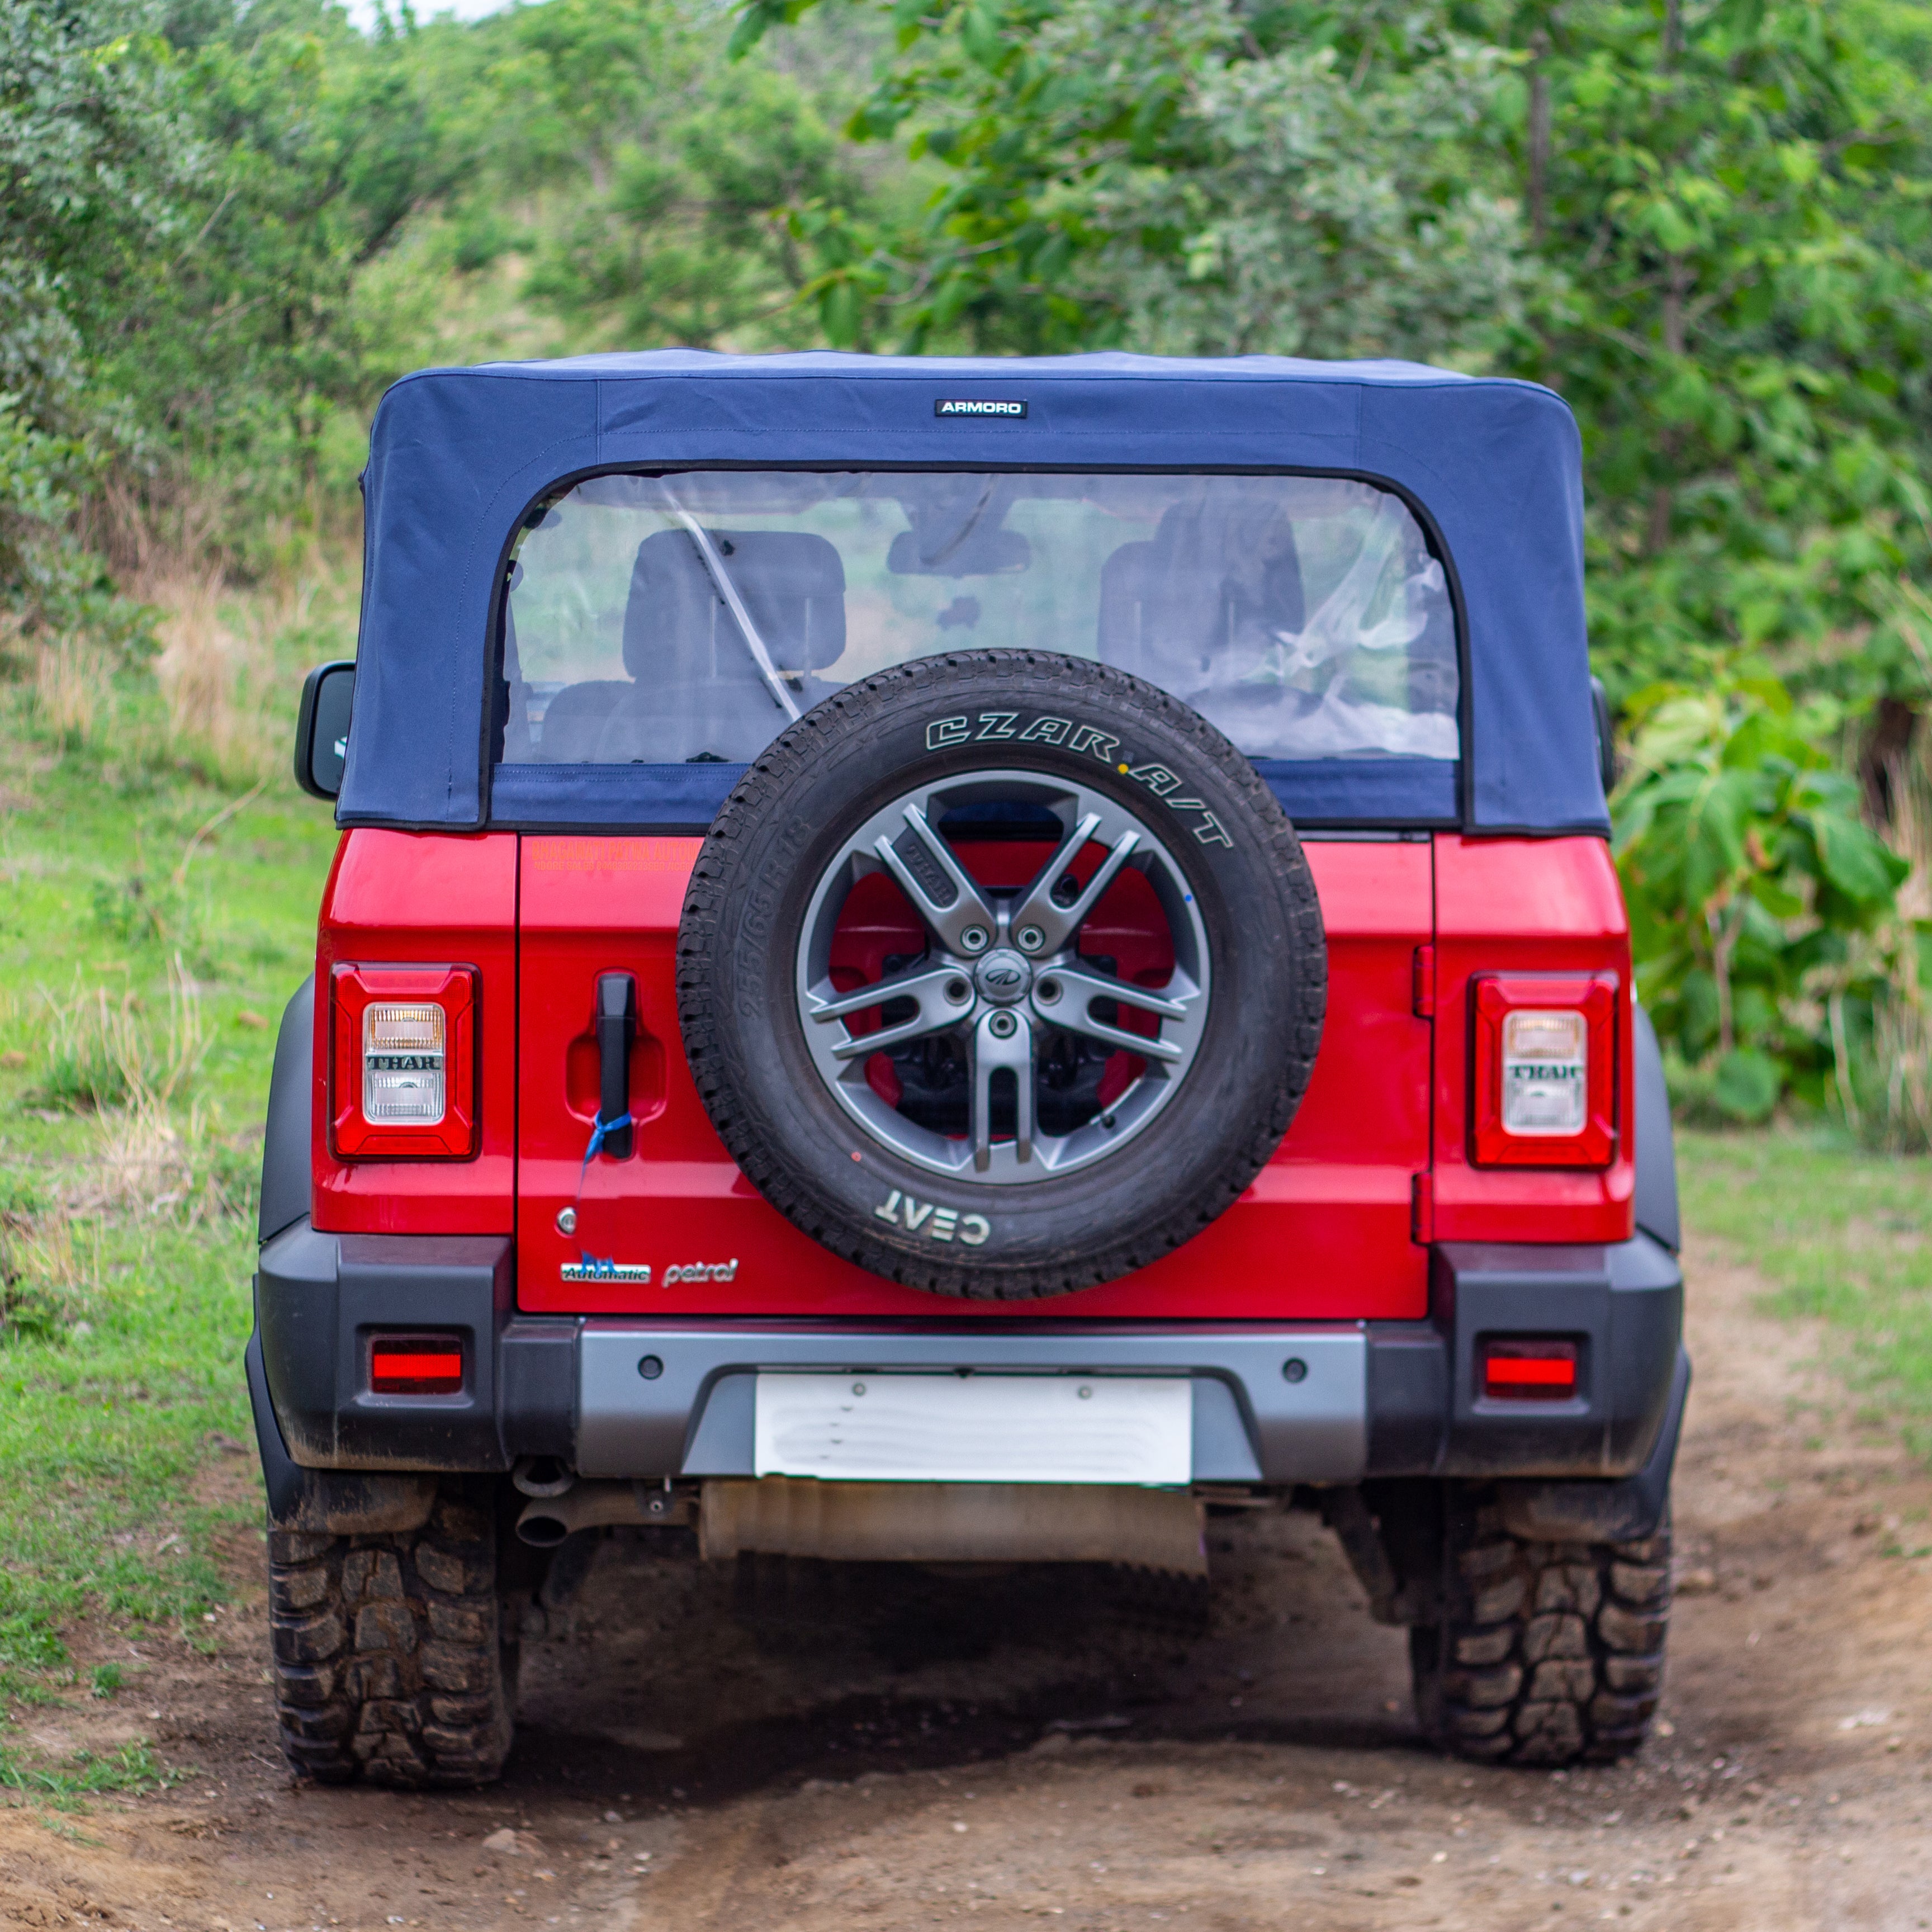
[[943, 1764]]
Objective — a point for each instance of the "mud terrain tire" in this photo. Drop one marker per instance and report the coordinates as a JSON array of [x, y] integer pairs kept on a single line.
[[392, 1660], [1548, 1653], [1037, 717]]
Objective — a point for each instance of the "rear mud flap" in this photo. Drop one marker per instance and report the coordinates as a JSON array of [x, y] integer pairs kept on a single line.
[[1624, 1511], [334, 1502]]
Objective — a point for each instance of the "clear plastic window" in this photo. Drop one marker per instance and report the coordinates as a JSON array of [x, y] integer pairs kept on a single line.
[[674, 619]]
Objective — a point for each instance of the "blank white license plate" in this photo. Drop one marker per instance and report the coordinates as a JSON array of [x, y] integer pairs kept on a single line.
[[976, 1429]]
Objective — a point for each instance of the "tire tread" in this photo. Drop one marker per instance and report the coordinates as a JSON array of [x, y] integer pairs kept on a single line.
[[368, 1643], [1547, 1653]]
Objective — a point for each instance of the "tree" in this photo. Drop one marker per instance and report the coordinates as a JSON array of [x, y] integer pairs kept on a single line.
[[1213, 179], [1725, 200], [98, 159], [680, 234]]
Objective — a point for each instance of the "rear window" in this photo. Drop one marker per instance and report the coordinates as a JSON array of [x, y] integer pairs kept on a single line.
[[687, 618]]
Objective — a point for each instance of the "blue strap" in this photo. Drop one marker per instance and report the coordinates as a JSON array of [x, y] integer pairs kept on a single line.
[[601, 1131]]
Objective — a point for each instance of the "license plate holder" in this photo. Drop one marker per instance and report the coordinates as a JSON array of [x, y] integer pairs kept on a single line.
[[947, 1428]]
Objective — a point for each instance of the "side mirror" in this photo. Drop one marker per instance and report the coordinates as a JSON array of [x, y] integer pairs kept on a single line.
[[321, 728], [1606, 741]]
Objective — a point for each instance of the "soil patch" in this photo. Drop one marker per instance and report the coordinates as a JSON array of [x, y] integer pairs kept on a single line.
[[1011, 1752]]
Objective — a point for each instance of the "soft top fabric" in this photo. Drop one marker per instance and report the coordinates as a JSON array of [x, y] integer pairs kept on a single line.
[[457, 457]]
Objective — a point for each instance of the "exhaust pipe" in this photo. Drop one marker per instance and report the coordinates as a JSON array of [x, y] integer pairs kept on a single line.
[[542, 1475], [547, 1520], [954, 1522]]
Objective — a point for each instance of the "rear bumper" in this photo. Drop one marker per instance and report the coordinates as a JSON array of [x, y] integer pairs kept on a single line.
[[635, 1398]]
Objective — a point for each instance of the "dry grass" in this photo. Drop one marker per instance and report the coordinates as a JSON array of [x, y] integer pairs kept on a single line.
[[1889, 1100], [1902, 1060], [154, 1149], [46, 1284], [102, 1052], [216, 671], [144, 1161], [73, 691], [218, 616]]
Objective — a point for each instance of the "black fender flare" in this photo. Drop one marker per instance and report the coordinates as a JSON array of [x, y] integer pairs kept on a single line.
[[285, 1141], [1656, 1151]]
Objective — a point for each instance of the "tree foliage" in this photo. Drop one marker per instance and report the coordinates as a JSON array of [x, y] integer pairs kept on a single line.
[[95, 157], [1731, 199], [1755, 888], [227, 224], [1708, 223], [1208, 180]]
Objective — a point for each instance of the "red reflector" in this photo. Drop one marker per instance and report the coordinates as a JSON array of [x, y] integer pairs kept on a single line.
[[415, 1371], [1529, 1371]]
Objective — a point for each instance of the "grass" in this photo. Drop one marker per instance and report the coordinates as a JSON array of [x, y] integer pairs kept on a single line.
[[85, 1774], [157, 896], [1845, 1235]]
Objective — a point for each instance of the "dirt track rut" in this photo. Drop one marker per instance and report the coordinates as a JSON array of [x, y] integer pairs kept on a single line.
[[941, 1766]]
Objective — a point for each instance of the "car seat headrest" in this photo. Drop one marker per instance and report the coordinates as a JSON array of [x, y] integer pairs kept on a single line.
[[677, 627]]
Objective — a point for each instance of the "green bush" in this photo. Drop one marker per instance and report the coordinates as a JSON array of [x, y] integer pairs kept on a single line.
[[1763, 907]]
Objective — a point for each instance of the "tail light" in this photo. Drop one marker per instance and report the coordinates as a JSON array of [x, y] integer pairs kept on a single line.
[[404, 1069], [1545, 1070], [415, 1365], [1528, 1371]]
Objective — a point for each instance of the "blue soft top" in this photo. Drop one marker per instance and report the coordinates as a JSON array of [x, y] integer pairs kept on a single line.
[[458, 456]]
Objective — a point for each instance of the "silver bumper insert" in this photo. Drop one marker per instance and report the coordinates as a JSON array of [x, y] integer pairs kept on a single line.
[[1274, 1405]]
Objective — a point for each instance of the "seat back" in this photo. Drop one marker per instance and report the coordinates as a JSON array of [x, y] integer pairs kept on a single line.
[[573, 721], [1169, 605], [678, 628]]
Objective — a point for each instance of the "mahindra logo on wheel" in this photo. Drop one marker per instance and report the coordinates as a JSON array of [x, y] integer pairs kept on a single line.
[[1003, 978]]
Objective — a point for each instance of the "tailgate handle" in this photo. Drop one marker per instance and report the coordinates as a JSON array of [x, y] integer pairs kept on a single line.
[[616, 1028]]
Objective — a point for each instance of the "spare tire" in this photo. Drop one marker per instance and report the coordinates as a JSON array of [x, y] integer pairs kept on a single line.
[[1001, 973]]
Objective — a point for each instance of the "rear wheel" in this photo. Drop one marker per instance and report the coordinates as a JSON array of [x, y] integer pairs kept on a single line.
[[394, 1654], [1545, 1653]]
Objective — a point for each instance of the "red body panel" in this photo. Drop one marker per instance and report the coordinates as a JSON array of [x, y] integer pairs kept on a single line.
[[1324, 1233], [1530, 906], [1377, 1163], [401, 898]]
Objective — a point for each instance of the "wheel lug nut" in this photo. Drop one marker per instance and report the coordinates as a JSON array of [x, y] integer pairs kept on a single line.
[[1030, 938], [974, 938], [958, 991], [1047, 991], [1002, 1026]]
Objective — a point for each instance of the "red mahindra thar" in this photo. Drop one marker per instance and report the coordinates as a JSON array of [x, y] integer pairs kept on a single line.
[[950, 962]]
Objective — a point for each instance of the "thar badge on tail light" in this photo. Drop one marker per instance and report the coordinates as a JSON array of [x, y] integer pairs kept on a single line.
[[404, 1066], [1545, 1070]]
